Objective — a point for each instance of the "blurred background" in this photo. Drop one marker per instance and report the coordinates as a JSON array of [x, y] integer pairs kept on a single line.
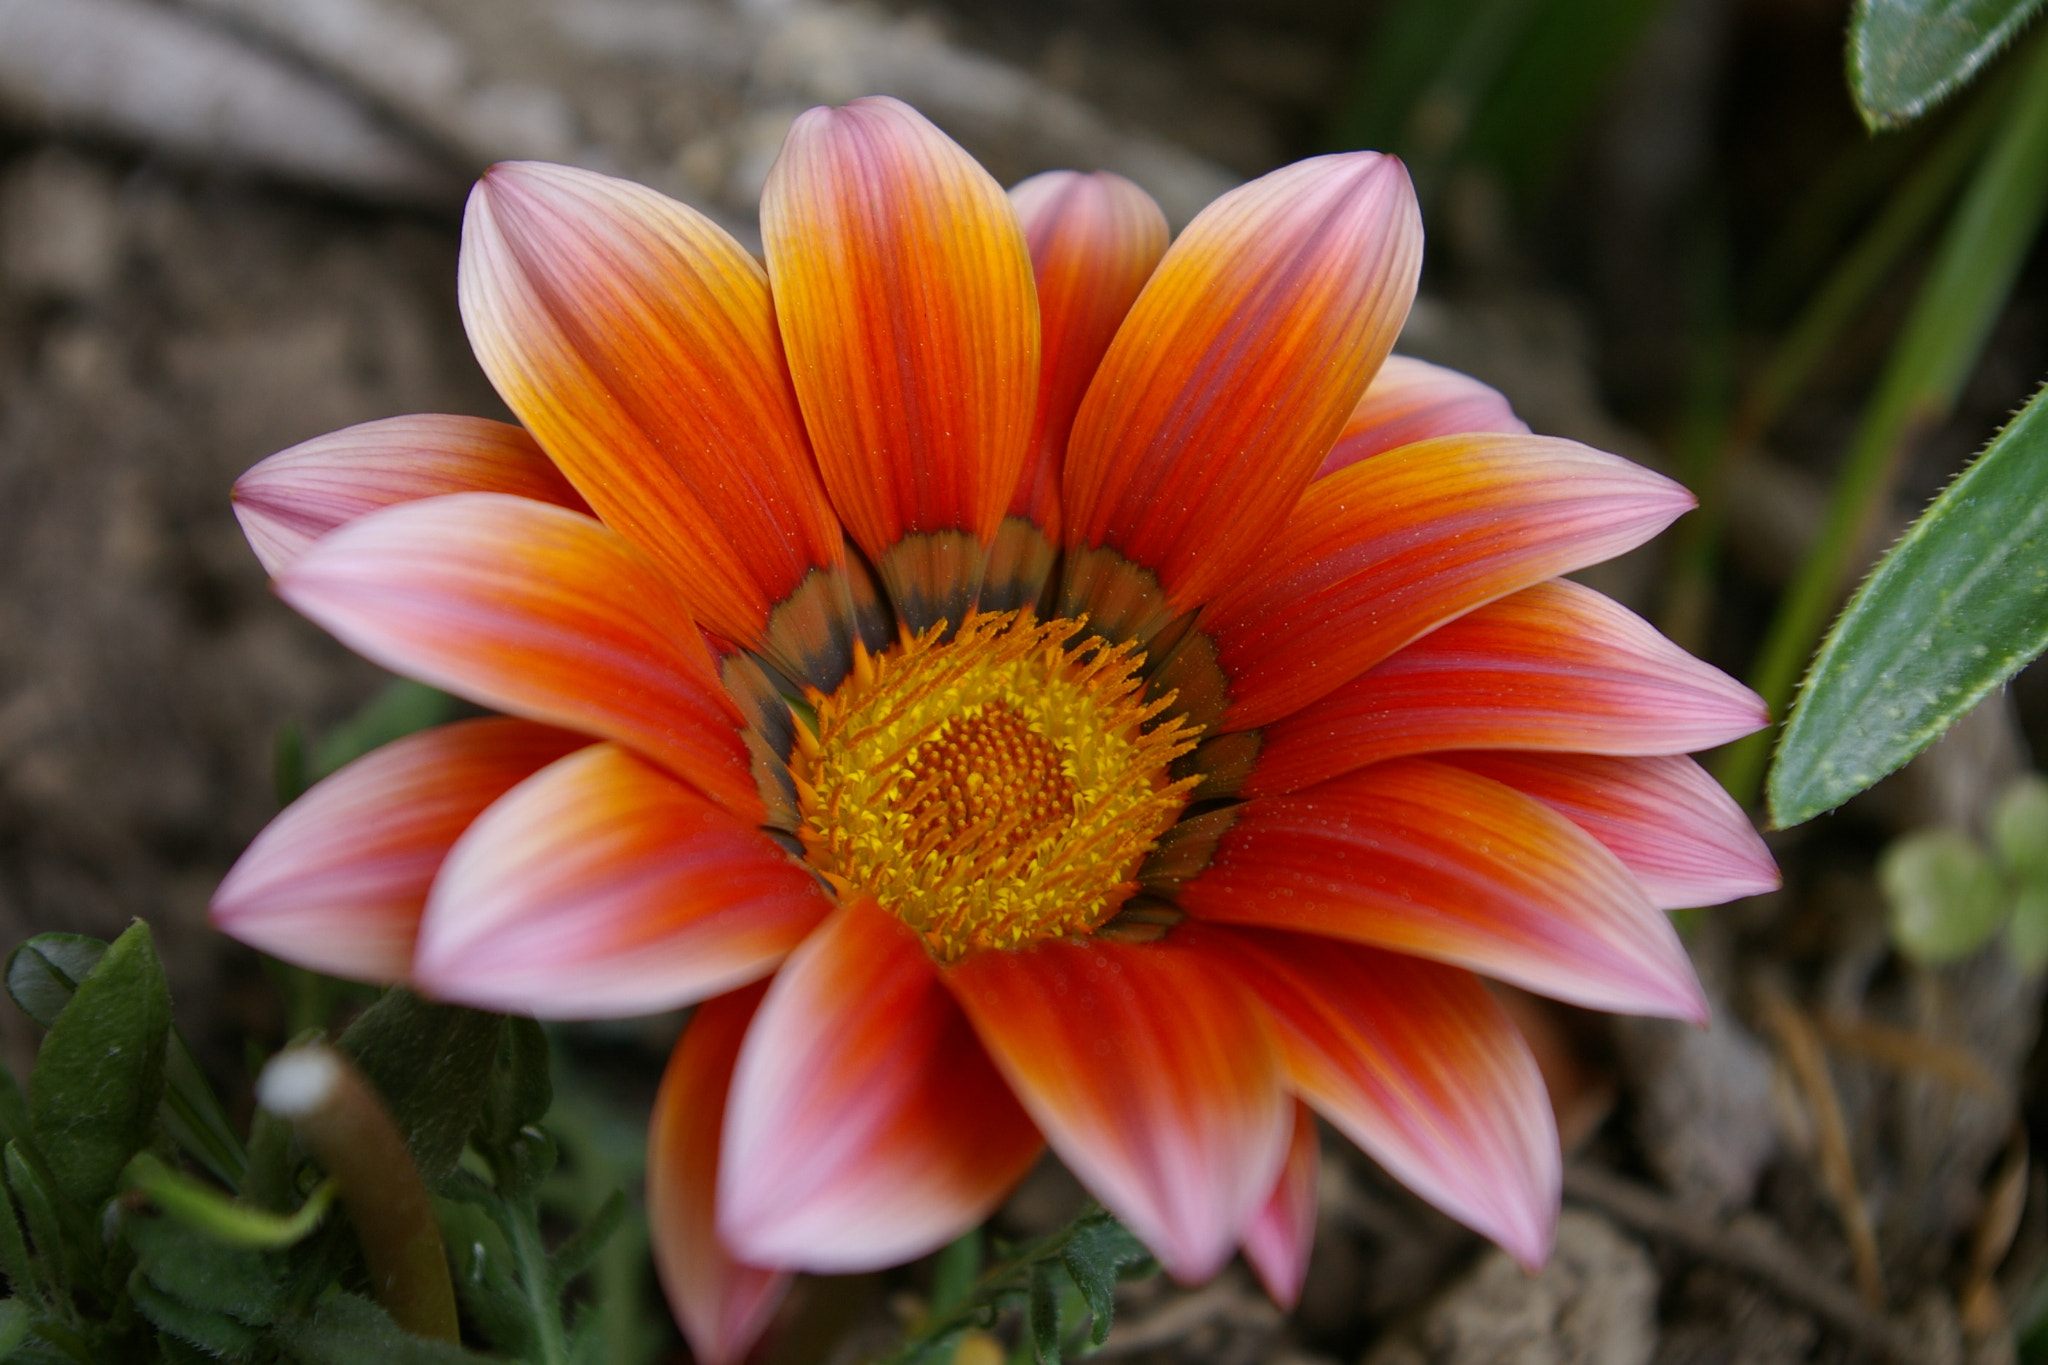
[[1658, 226]]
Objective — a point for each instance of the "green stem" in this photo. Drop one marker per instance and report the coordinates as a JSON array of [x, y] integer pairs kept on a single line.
[[1957, 304], [536, 1277]]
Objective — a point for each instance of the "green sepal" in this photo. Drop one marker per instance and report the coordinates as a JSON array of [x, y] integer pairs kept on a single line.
[[100, 1074]]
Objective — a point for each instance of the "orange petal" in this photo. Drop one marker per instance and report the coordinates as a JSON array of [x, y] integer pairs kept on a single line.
[[290, 500], [603, 887], [1094, 241], [636, 340], [1411, 400], [722, 1305], [1423, 1069], [1387, 550], [867, 1126], [1151, 1076], [1283, 1232], [337, 882], [1423, 858], [1236, 368], [904, 292], [534, 610], [1555, 666], [1672, 825]]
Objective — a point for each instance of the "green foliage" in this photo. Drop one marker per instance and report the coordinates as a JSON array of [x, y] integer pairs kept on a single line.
[[403, 707], [1947, 894], [1906, 56], [432, 1065], [100, 1073], [1979, 257], [1054, 1282], [1944, 895], [1954, 610], [256, 1269], [1504, 83]]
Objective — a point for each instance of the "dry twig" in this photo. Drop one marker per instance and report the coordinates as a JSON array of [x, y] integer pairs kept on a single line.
[[1748, 1248], [1801, 1046]]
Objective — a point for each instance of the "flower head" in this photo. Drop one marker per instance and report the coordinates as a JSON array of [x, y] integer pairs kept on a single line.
[[1024, 682]]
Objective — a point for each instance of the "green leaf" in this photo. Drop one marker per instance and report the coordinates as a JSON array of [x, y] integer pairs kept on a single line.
[[1944, 895], [347, 1329], [403, 707], [2019, 829], [1044, 1313], [196, 1270], [1958, 606], [56, 1252], [216, 1333], [100, 1074], [14, 1258], [43, 973], [1964, 292], [955, 1268], [14, 1322], [2026, 933], [1906, 56], [521, 1086], [432, 1065]]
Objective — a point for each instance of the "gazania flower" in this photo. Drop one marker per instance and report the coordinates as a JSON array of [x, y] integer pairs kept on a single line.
[[1026, 684]]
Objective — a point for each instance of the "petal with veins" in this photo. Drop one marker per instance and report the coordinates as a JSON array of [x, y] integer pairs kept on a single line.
[[637, 341], [1235, 369], [534, 610], [602, 887], [1556, 666], [1149, 1074], [867, 1126], [1669, 822], [290, 500], [722, 1303], [1420, 857], [338, 881]]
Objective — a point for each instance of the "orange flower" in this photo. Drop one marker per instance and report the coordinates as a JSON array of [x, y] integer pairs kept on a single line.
[[1027, 684]]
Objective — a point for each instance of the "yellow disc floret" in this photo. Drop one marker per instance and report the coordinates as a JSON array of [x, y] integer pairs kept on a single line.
[[991, 789]]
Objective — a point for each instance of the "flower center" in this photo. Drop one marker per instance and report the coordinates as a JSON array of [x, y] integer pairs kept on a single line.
[[992, 789]]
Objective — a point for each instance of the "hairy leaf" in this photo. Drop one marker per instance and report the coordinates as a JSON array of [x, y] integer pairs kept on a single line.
[[1956, 608], [100, 1074], [1906, 56], [432, 1066]]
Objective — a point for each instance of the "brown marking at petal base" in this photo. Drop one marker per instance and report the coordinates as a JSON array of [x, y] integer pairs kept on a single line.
[[1185, 850]]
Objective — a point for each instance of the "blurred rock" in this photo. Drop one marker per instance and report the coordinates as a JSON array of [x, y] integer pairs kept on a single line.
[[1595, 1303], [60, 227], [145, 74]]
